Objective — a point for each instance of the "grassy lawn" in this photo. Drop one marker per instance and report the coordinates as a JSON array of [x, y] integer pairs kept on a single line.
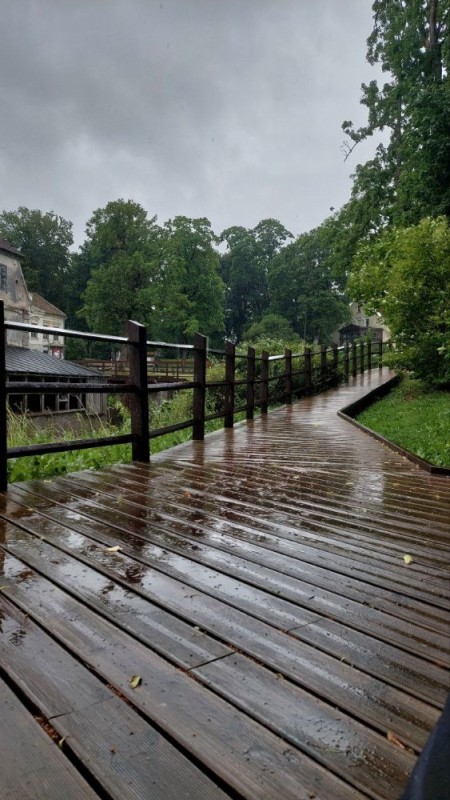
[[415, 419]]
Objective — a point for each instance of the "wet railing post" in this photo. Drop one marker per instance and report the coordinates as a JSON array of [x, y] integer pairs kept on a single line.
[[251, 373], [137, 349], [264, 382], [354, 360], [3, 422], [361, 356], [199, 392], [308, 369], [380, 354], [369, 354], [346, 361], [288, 376], [335, 364], [323, 365], [230, 370]]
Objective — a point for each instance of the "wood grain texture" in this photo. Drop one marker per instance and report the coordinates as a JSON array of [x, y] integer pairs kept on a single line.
[[259, 590]]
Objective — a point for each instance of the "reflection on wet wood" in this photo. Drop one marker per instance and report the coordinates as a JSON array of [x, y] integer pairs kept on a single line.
[[256, 584]]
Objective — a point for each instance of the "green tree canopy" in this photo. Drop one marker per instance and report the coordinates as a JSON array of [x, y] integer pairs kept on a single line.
[[189, 291], [44, 240], [271, 326], [121, 255], [405, 274], [302, 288], [409, 178], [244, 269]]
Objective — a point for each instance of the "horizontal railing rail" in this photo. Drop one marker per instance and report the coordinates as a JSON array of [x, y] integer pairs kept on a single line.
[[248, 383]]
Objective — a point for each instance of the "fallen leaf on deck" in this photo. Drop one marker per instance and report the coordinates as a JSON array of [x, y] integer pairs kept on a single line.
[[186, 493], [391, 737], [61, 741], [114, 549], [135, 681], [407, 559]]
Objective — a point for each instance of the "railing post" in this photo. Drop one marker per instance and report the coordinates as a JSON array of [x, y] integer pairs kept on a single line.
[[137, 347], [380, 354], [308, 372], [335, 363], [361, 356], [288, 376], [264, 382], [230, 368], [3, 422], [199, 394], [323, 364], [251, 372], [369, 355], [354, 360]]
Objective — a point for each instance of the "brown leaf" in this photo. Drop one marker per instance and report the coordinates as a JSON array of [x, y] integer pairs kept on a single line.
[[395, 740]]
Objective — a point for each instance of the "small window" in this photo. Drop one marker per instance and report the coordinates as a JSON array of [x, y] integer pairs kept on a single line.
[[3, 278], [45, 337], [33, 334]]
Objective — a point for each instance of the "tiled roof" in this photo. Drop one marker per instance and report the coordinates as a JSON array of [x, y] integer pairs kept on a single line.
[[9, 248], [44, 305], [20, 360]]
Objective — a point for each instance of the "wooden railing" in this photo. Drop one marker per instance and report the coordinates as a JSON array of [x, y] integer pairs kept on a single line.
[[249, 383]]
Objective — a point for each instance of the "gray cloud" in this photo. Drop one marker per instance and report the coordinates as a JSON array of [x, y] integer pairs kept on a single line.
[[217, 108]]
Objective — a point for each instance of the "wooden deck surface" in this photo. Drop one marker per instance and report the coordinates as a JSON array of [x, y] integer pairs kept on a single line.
[[256, 585]]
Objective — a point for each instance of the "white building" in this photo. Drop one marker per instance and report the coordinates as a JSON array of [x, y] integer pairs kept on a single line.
[[48, 316]]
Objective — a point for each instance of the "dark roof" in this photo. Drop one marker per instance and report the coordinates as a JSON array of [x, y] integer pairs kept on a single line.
[[9, 248], [19, 359], [44, 305]]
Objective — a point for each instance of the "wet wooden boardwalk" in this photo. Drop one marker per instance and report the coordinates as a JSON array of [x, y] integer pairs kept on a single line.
[[255, 586]]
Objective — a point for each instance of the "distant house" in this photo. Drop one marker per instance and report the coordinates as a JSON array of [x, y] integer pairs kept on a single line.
[[362, 326], [39, 357], [13, 292], [46, 315]]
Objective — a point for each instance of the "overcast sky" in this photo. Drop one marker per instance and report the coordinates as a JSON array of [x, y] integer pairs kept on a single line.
[[228, 109]]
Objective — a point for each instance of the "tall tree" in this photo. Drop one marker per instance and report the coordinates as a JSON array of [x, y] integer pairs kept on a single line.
[[302, 287], [44, 239], [410, 177], [189, 296], [121, 253], [244, 269]]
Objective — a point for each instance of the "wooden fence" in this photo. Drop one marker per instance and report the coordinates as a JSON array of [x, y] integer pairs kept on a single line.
[[249, 383]]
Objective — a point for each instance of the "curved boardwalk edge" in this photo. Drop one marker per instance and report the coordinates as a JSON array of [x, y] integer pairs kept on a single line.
[[351, 411], [255, 587]]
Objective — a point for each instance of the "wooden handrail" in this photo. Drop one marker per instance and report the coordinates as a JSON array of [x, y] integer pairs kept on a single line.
[[250, 371]]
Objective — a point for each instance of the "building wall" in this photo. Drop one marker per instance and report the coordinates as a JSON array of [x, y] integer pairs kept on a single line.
[[13, 292], [46, 343]]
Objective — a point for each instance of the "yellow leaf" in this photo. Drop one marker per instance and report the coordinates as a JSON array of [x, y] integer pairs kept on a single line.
[[114, 549], [407, 559], [135, 681], [395, 740]]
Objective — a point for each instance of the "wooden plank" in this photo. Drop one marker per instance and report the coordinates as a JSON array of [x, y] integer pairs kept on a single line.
[[366, 698], [269, 607], [32, 767], [234, 520], [242, 753], [393, 602], [367, 760], [122, 751]]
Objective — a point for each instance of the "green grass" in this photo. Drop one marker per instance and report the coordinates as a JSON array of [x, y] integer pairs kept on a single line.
[[415, 419]]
